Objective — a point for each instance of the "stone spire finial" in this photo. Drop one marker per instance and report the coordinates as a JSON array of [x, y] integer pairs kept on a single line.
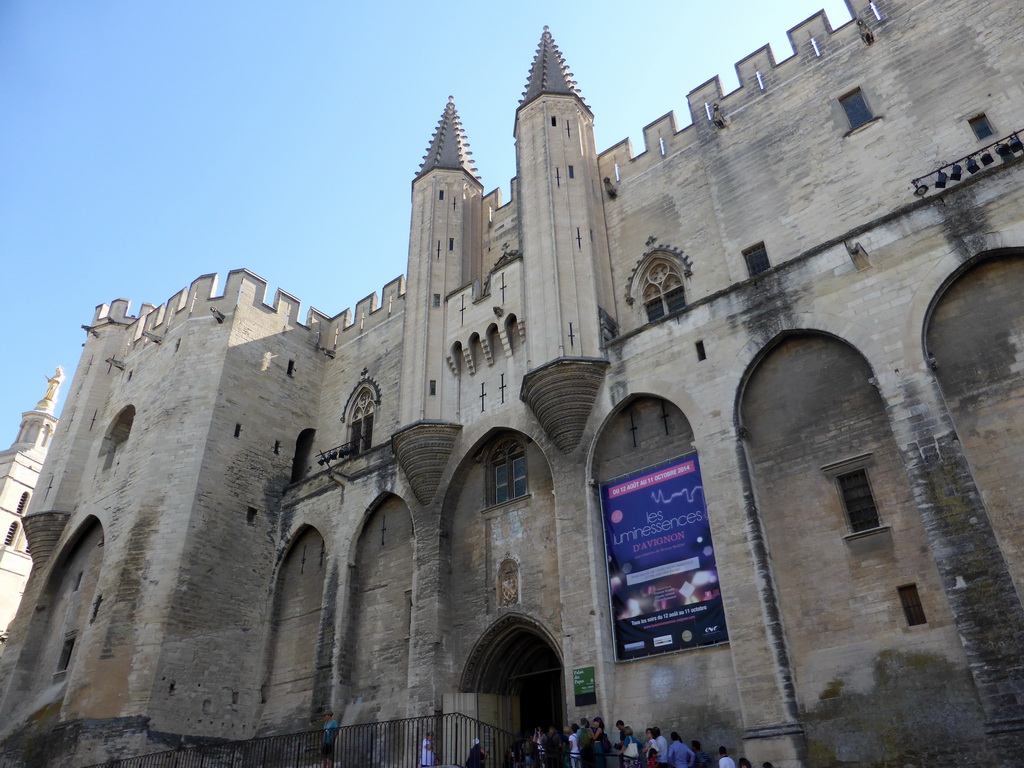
[[52, 388], [549, 73], [449, 147]]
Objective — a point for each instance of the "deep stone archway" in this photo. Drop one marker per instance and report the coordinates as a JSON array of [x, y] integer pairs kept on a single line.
[[516, 658]]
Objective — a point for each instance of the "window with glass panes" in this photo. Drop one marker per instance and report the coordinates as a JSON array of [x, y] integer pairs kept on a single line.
[[858, 501], [507, 470], [662, 290]]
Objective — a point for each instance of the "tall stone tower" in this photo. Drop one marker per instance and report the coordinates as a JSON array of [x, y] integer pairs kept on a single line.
[[445, 247], [19, 473], [561, 214]]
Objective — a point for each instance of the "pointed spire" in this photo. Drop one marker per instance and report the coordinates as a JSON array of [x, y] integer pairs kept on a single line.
[[449, 147], [549, 73]]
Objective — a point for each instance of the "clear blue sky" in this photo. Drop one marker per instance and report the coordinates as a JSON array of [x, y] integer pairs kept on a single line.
[[143, 144]]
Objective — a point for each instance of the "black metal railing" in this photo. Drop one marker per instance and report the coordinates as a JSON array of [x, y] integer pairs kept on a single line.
[[390, 744], [343, 451], [1006, 148]]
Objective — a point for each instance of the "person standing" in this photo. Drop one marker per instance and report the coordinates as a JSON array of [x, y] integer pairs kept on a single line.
[[553, 747], [724, 761], [477, 755], [427, 757], [574, 746], [601, 744], [679, 755], [660, 744], [630, 751], [702, 760], [327, 747]]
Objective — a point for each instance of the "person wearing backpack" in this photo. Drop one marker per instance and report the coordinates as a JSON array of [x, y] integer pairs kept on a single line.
[[586, 741], [553, 747]]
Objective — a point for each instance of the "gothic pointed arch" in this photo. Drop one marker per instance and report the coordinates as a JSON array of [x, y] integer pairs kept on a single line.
[[63, 629], [827, 477], [366, 384], [293, 685], [658, 282], [360, 413], [378, 622], [517, 656], [643, 430], [972, 336]]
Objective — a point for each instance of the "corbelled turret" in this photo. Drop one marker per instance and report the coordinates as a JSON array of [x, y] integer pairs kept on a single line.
[[565, 247]]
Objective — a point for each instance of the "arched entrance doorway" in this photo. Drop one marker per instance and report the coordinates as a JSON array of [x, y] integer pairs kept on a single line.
[[516, 661]]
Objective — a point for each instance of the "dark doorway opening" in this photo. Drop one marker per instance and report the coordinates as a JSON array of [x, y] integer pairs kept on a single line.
[[520, 664]]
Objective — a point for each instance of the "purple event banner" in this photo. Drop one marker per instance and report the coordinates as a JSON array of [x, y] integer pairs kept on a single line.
[[661, 561]]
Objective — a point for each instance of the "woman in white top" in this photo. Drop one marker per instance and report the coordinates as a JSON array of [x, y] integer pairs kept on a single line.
[[574, 746], [427, 759]]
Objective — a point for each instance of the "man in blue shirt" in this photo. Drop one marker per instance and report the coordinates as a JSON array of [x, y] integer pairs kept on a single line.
[[679, 755]]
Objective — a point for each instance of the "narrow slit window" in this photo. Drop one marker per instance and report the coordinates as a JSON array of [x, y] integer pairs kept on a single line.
[[572, 172], [65, 654], [701, 354], [250, 515], [291, 367], [856, 108], [440, 194], [451, 243], [554, 122], [858, 501], [433, 387], [238, 431], [437, 299], [277, 447], [912, 608]]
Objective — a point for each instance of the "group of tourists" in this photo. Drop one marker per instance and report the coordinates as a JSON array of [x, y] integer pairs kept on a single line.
[[589, 745]]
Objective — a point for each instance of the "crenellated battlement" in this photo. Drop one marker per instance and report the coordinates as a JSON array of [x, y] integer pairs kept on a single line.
[[759, 74], [244, 288]]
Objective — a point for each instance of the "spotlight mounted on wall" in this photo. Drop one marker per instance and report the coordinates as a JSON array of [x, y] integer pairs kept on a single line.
[[940, 180], [972, 166], [1014, 145], [956, 172], [986, 158], [920, 189]]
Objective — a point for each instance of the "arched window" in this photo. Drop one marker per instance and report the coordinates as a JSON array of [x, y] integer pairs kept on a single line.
[[303, 447], [506, 471], [12, 533], [662, 289], [117, 435], [361, 435], [511, 331], [23, 503]]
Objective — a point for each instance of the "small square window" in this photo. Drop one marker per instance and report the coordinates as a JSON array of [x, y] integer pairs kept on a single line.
[[757, 259], [858, 502], [856, 108], [912, 608], [981, 126]]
